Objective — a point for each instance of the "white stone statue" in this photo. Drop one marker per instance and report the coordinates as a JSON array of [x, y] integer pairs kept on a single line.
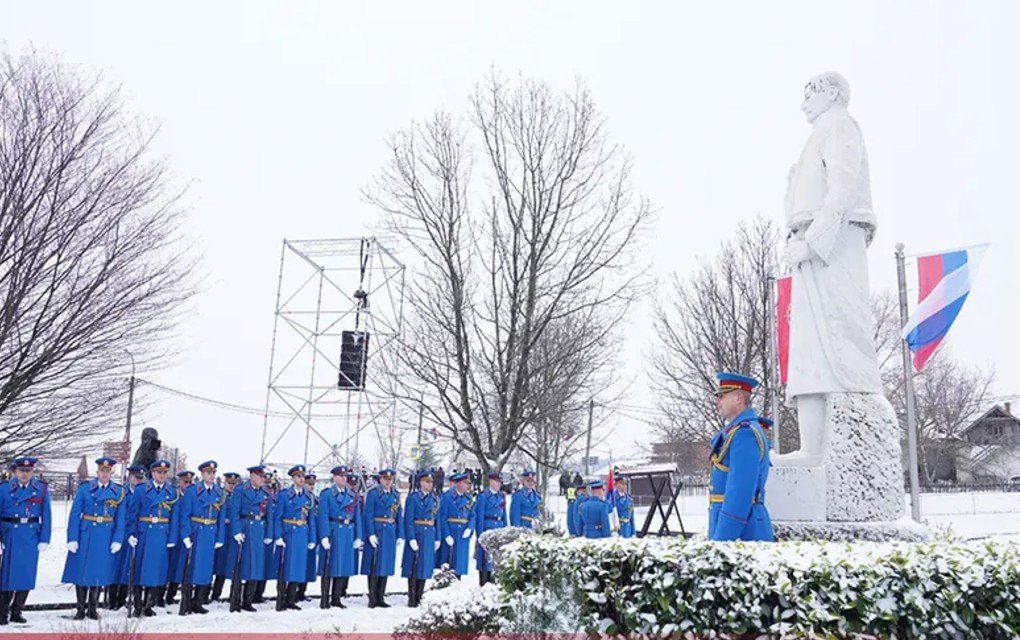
[[830, 225]]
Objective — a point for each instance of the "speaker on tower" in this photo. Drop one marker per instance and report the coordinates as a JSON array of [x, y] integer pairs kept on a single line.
[[353, 359]]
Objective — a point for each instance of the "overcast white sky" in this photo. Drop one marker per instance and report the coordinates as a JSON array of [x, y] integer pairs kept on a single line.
[[278, 113]]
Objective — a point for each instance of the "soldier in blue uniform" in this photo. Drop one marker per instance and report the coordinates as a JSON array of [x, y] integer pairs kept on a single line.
[[223, 566], [294, 527], [593, 514], [95, 533], [573, 511], [490, 513], [740, 466], [356, 484], [154, 534], [312, 567], [251, 526], [526, 503], [383, 527], [456, 524], [25, 527], [271, 552], [117, 594], [178, 552], [200, 518], [339, 529], [624, 508], [422, 539]]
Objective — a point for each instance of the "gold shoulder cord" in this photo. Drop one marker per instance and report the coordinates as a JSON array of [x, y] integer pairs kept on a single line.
[[116, 503], [219, 503]]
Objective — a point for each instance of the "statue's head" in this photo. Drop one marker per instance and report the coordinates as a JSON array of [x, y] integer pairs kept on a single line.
[[149, 434], [822, 92]]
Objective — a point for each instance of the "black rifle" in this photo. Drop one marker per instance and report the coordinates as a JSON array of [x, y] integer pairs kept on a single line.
[[281, 584], [186, 584], [326, 580], [235, 579], [131, 600]]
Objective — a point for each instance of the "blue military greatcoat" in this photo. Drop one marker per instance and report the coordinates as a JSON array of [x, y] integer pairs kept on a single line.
[[340, 521], [294, 521], [24, 523], [249, 512], [456, 515], [382, 518], [740, 469], [124, 555], [574, 516], [525, 507], [594, 518], [155, 526], [625, 513], [95, 523], [227, 554], [201, 517], [420, 514], [490, 513], [312, 566]]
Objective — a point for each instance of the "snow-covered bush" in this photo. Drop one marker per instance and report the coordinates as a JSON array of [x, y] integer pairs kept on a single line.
[[462, 610], [495, 541], [668, 586]]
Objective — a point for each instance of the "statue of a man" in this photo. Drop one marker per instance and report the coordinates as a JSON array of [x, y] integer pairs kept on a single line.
[[830, 225]]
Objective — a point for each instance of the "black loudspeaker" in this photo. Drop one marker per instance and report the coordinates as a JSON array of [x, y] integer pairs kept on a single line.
[[353, 358]]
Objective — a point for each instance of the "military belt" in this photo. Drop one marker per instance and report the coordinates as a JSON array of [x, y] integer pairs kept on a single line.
[[92, 518], [29, 520], [206, 521], [528, 518], [341, 520], [718, 497], [457, 520], [624, 519], [386, 520], [427, 523], [251, 516], [296, 523], [153, 520], [493, 517]]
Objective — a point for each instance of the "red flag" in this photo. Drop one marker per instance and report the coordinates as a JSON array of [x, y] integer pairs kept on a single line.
[[783, 290]]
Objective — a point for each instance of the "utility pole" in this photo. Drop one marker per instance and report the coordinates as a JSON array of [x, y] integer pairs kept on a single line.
[[587, 446], [908, 388], [130, 408]]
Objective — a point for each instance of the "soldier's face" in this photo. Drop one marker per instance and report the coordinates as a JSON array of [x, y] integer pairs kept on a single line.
[[815, 103], [159, 475], [729, 404], [386, 481], [257, 480], [495, 485], [462, 486], [340, 481], [104, 473], [298, 479], [134, 480], [425, 484], [209, 476], [24, 475], [529, 481]]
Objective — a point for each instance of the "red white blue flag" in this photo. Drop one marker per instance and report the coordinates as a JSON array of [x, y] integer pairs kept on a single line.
[[944, 282]]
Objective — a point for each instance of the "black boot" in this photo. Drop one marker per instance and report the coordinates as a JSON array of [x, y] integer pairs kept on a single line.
[[171, 593], [301, 586], [260, 590], [372, 595], [421, 592], [136, 603], [412, 593], [122, 596], [292, 595], [381, 593], [199, 598], [81, 595], [161, 596], [343, 586], [248, 597], [92, 613], [337, 592], [5, 600], [17, 606], [151, 600], [217, 589]]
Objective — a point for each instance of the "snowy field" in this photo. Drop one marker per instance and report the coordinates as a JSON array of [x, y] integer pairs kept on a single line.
[[970, 515]]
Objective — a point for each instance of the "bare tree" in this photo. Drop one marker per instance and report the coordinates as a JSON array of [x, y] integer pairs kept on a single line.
[[540, 230], [91, 267]]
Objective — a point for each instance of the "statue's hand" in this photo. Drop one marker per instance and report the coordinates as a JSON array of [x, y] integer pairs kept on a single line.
[[797, 251]]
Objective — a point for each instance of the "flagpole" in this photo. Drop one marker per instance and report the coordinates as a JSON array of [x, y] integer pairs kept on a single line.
[[908, 388], [772, 376]]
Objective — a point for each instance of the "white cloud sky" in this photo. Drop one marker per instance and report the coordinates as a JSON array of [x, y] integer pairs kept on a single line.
[[277, 115]]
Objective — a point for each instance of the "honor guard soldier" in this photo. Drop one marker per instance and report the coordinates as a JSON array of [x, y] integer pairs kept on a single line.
[[177, 553], [202, 532], [624, 508], [421, 536], [117, 594], [456, 524], [356, 484], [154, 534], [490, 513], [740, 466], [272, 487], [594, 513], [295, 533], [574, 516], [248, 511], [340, 534], [95, 533], [382, 528], [312, 567], [223, 567], [25, 526], [526, 503]]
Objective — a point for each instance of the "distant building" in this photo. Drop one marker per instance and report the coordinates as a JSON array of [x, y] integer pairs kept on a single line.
[[998, 426]]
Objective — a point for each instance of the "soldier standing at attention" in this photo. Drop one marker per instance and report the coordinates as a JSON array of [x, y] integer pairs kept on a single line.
[[456, 524], [490, 513], [383, 526], [312, 567], [526, 503], [95, 533], [177, 553], [295, 532], [422, 538], [740, 466], [118, 591], [339, 529], [25, 526], [202, 532], [154, 535], [227, 554], [272, 487], [582, 496], [251, 526], [624, 508], [594, 513]]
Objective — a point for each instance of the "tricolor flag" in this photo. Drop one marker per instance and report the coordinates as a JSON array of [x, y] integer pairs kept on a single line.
[[783, 291], [944, 281], [614, 520]]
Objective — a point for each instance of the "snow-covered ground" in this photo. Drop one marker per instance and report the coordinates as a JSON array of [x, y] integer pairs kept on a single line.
[[970, 515]]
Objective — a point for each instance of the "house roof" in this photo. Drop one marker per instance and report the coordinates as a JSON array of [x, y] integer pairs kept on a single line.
[[996, 413]]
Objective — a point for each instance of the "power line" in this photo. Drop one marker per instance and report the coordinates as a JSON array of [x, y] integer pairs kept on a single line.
[[229, 406]]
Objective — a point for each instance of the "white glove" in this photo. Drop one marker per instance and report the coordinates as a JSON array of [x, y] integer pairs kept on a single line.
[[374, 540], [133, 541], [449, 541], [42, 547], [72, 546], [171, 545], [358, 544], [437, 544], [325, 544], [467, 534], [217, 545], [280, 542], [796, 252], [239, 537], [414, 545], [187, 543], [311, 545], [115, 547], [267, 541]]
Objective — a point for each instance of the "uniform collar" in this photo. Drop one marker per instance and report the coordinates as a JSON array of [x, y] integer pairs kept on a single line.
[[744, 416]]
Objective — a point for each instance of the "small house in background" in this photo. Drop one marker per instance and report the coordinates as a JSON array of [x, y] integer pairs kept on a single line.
[[998, 426], [994, 447]]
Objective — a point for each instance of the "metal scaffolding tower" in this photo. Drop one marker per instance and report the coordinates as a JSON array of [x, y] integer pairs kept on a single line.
[[329, 291]]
